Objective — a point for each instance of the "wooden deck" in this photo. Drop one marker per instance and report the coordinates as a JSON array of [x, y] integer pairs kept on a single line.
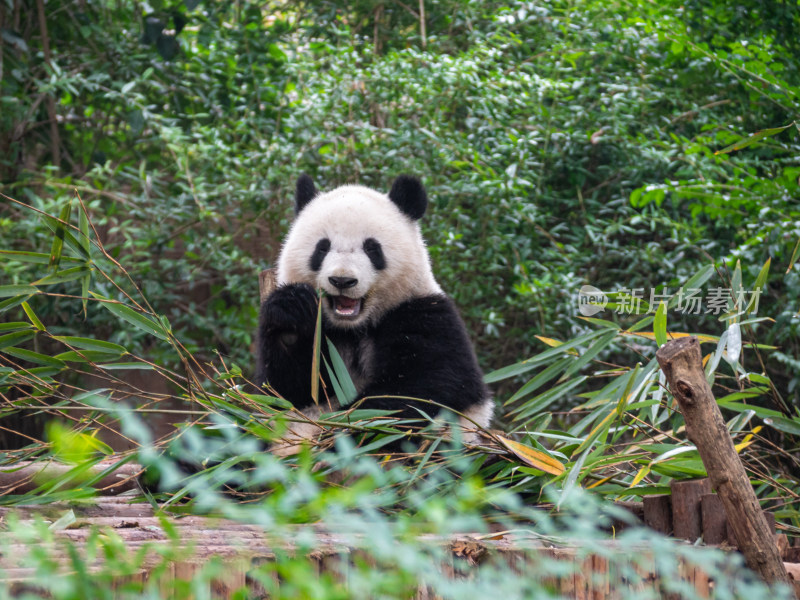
[[193, 541]]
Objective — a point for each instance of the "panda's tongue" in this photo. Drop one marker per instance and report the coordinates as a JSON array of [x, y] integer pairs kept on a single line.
[[348, 307]]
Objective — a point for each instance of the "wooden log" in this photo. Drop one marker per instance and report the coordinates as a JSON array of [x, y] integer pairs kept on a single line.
[[90, 511], [792, 554], [687, 521], [731, 536], [658, 513], [770, 517], [231, 580], [27, 476], [715, 523], [600, 578], [682, 364], [583, 580], [636, 510]]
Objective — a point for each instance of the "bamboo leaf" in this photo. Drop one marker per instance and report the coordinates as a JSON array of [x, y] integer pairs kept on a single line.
[[424, 461], [64, 276], [64, 521], [752, 139], [592, 352], [337, 388], [127, 366], [14, 326], [54, 224], [562, 347], [533, 362], [86, 356], [734, 346], [512, 370], [790, 426], [83, 224], [694, 282], [538, 403], [549, 341], [532, 457], [574, 472], [643, 472], [598, 430], [762, 275], [641, 324], [85, 282], [32, 316], [702, 338], [7, 291], [91, 344], [37, 258], [35, 357], [736, 280], [673, 453], [540, 379], [795, 255], [60, 230], [752, 392], [348, 391], [600, 322], [626, 395], [13, 302], [12, 339], [660, 324], [136, 319], [317, 352], [764, 413]]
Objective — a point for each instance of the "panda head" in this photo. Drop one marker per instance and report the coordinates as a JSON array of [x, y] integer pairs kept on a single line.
[[362, 248]]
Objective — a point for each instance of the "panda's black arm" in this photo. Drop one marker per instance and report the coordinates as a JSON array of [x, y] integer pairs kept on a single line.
[[422, 350], [285, 342]]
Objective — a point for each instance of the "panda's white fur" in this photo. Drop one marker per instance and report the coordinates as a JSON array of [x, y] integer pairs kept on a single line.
[[346, 216]]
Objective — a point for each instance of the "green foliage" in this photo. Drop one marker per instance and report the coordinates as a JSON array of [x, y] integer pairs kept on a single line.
[[628, 145], [562, 144], [396, 554], [624, 440]]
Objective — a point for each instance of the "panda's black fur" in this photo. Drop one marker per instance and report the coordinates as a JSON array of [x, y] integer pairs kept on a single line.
[[400, 336]]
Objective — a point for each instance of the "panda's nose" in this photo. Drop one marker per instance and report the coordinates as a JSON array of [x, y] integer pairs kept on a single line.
[[342, 283]]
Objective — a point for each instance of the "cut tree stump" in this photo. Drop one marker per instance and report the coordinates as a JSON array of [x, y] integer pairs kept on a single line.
[[682, 364], [686, 518], [658, 513], [715, 522]]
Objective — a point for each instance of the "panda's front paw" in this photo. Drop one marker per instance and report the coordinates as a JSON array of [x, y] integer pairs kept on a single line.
[[290, 313]]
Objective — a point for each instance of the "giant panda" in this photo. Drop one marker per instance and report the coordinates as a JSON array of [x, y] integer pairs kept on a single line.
[[400, 336]]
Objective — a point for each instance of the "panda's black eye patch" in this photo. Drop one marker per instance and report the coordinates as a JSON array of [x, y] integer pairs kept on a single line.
[[320, 252], [373, 249]]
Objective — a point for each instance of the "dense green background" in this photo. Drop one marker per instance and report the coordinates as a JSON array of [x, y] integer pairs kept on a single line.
[[562, 143]]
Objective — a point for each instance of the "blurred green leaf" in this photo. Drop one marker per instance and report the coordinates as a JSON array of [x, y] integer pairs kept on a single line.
[[790, 426], [752, 139]]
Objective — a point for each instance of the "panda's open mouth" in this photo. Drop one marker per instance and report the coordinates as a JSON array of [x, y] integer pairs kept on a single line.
[[346, 307]]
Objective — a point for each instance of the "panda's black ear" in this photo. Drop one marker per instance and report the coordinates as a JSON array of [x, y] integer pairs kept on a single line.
[[304, 193], [409, 194]]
